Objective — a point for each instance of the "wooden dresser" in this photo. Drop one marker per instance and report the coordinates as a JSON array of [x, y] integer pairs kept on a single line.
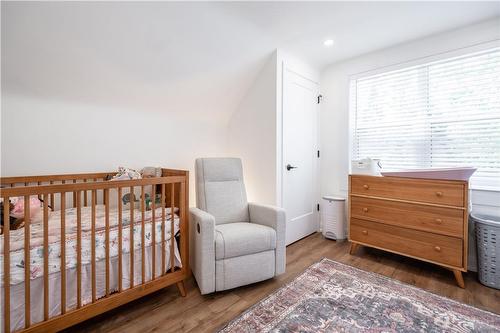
[[424, 219]]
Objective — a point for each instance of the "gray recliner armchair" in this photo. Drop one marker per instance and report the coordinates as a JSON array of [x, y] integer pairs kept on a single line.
[[232, 242]]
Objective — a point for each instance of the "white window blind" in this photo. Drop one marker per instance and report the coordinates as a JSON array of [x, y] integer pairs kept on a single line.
[[440, 114]]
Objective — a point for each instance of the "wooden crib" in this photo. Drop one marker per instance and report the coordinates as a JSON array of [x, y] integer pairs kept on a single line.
[[67, 197]]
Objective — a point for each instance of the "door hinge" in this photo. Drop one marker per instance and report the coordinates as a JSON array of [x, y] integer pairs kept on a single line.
[[318, 153], [317, 207], [320, 97]]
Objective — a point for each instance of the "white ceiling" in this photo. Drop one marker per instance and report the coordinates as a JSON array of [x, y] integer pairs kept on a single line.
[[196, 57], [356, 27]]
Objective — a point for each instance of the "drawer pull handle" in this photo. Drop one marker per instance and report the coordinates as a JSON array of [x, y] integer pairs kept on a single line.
[[364, 232], [439, 193], [439, 221], [366, 187], [437, 248], [365, 209]]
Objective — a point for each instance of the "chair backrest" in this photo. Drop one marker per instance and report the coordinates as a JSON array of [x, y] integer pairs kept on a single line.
[[220, 189]]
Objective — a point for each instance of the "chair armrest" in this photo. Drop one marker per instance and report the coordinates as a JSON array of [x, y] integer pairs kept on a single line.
[[275, 218], [270, 216], [202, 249]]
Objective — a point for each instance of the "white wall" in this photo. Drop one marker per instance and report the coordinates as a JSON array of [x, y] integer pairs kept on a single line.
[[335, 109], [252, 135], [41, 136], [91, 86]]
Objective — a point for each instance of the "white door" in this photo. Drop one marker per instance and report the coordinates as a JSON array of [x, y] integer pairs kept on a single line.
[[300, 155]]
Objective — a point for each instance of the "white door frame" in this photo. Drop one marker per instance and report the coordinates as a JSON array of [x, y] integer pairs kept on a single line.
[[309, 74]]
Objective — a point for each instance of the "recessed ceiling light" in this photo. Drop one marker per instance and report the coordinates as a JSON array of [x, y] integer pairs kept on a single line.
[[328, 42]]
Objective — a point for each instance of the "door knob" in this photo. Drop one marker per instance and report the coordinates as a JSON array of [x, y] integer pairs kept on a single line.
[[290, 167]]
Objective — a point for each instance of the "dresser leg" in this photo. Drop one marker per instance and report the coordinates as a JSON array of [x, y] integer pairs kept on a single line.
[[459, 278], [353, 248]]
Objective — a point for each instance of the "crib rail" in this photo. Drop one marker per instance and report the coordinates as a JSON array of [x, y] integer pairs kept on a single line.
[[89, 190], [56, 179]]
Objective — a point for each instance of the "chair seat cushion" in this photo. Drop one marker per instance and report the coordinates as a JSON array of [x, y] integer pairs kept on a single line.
[[242, 238]]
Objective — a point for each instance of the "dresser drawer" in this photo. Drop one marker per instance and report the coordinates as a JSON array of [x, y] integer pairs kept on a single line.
[[437, 248], [446, 221], [428, 191]]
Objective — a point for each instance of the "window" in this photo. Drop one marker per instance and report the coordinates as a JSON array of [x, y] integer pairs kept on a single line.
[[440, 114]]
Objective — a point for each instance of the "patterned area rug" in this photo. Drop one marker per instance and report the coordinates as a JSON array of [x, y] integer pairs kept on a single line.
[[333, 297]]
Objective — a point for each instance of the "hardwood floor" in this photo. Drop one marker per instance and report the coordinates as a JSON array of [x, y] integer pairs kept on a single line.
[[167, 311]]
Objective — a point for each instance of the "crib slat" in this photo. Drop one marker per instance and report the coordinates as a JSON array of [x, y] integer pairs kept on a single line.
[[106, 196], [51, 204], [85, 195], [38, 183], [27, 312], [92, 250], [162, 229], [143, 236], [74, 195], [183, 221], [78, 250], [153, 228], [172, 229], [131, 229], [63, 252], [6, 265], [45, 257], [120, 239]]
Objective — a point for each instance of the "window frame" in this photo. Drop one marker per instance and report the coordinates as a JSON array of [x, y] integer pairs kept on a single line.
[[404, 65]]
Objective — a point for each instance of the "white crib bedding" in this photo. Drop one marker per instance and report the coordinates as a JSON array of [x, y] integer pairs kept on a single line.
[[17, 264], [17, 304]]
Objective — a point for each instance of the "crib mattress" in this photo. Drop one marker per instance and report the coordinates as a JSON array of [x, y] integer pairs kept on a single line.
[[17, 264], [17, 304]]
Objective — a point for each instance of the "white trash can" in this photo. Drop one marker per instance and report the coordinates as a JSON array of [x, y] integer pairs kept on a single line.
[[333, 217]]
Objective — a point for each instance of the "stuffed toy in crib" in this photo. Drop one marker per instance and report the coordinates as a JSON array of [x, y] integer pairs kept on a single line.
[[16, 211], [131, 197]]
